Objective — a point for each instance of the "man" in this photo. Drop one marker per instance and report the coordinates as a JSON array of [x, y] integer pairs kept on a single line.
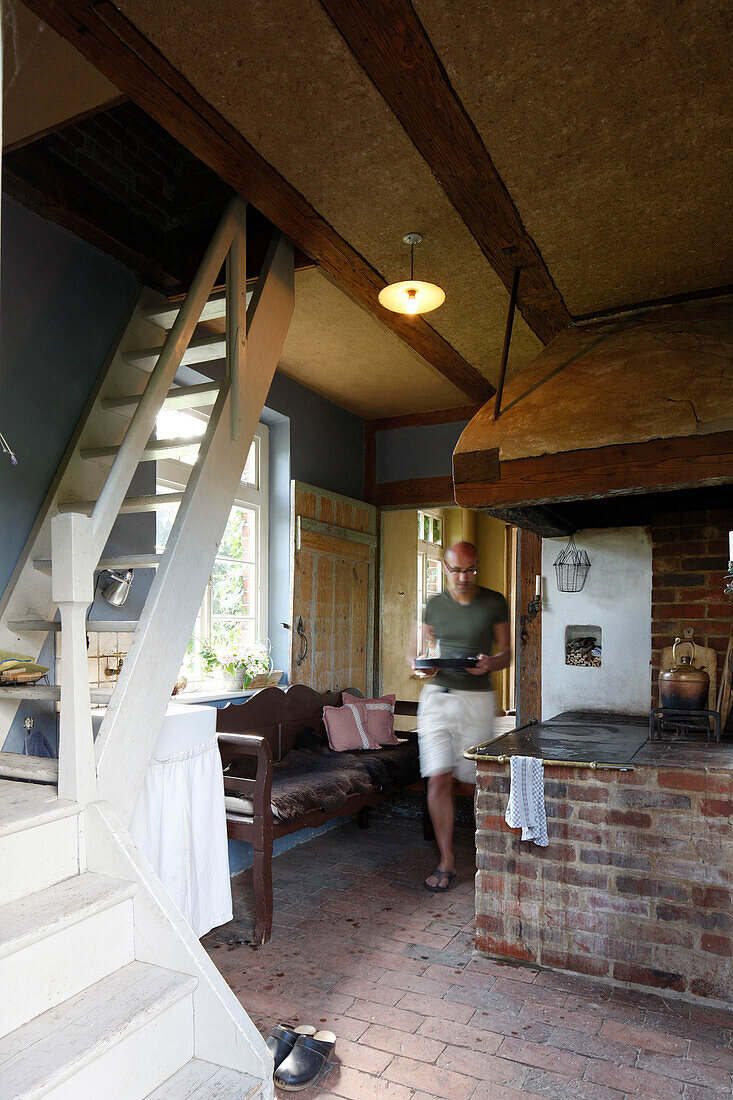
[[456, 708]]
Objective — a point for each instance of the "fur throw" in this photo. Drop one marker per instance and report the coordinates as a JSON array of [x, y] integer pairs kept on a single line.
[[308, 780]]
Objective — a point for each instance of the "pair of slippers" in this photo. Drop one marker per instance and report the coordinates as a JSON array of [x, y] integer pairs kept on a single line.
[[301, 1054]]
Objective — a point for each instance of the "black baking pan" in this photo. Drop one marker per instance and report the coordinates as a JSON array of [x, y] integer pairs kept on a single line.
[[428, 664]]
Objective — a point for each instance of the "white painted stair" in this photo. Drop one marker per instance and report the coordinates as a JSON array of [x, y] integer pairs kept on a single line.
[[119, 1038], [205, 1081], [104, 989], [88, 1017]]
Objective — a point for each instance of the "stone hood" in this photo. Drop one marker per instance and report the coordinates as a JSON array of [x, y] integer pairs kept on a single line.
[[628, 406]]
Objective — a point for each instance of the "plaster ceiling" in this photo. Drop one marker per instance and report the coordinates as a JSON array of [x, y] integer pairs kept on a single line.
[[45, 80], [335, 347], [302, 100], [610, 122]]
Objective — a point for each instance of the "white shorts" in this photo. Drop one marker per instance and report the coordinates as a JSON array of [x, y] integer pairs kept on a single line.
[[447, 724]]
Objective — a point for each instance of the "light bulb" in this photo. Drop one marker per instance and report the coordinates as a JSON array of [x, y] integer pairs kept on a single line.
[[411, 305]]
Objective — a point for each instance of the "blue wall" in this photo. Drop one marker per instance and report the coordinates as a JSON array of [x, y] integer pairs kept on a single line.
[[62, 302], [326, 442], [420, 451], [314, 441]]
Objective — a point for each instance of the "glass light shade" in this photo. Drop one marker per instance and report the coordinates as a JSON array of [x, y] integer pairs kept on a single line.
[[411, 296]]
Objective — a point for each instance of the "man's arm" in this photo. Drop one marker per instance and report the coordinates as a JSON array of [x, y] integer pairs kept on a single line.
[[501, 659]]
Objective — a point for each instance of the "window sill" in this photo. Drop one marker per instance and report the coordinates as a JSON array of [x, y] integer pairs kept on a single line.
[[211, 695]]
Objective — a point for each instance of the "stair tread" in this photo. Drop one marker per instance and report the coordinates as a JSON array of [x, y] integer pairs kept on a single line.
[[24, 805], [38, 915], [50, 692], [129, 561], [94, 626], [129, 504], [202, 349], [155, 448], [182, 397], [40, 769], [206, 1081], [164, 316], [54, 1045]]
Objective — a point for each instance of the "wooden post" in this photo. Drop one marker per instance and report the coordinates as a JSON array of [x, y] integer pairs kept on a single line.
[[237, 324], [528, 654], [73, 590]]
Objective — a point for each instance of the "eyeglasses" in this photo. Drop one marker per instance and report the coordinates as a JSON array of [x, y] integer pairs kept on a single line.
[[470, 572]]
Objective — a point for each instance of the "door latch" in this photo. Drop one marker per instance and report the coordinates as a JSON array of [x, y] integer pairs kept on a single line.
[[300, 631]]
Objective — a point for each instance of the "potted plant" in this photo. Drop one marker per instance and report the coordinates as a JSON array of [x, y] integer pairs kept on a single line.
[[239, 666]]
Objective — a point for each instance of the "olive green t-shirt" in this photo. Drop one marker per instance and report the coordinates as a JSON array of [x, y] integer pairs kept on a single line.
[[465, 630]]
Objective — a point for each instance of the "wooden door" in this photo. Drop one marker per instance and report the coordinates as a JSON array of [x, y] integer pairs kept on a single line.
[[333, 586]]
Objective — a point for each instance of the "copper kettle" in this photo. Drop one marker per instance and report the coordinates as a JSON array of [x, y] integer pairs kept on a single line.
[[684, 686]]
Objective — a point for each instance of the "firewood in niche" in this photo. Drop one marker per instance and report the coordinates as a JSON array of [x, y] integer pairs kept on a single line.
[[583, 652]]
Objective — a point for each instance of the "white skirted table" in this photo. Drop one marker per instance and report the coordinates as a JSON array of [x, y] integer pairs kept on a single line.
[[179, 822]]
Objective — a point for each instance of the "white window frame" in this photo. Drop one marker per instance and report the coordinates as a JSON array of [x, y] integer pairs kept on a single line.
[[172, 474], [427, 551]]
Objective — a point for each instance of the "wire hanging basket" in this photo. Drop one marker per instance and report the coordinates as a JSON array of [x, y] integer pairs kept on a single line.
[[571, 568]]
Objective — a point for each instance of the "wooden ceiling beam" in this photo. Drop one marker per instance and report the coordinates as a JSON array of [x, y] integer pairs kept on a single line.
[[414, 492], [391, 45], [114, 45], [585, 474]]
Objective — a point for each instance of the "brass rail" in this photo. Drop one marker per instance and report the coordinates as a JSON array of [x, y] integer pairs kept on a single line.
[[474, 753]]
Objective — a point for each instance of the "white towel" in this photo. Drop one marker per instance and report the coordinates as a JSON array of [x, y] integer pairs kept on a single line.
[[526, 808]]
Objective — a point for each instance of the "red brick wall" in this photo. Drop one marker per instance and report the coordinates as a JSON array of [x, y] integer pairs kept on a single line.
[[635, 885], [689, 562]]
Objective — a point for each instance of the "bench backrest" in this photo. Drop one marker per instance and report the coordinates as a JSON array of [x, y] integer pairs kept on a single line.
[[279, 715]]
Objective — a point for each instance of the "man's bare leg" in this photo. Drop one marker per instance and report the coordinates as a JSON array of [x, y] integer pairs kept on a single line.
[[441, 807]]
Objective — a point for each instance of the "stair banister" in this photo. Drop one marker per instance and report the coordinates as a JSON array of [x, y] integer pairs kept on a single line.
[[143, 421], [73, 590], [236, 299]]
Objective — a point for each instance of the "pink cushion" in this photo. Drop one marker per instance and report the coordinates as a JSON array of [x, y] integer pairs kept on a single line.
[[346, 727], [380, 717]]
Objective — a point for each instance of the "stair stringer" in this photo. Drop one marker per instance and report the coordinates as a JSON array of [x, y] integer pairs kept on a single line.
[[27, 594], [223, 1032]]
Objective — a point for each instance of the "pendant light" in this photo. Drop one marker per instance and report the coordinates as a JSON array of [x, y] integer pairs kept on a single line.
[[411, 296]]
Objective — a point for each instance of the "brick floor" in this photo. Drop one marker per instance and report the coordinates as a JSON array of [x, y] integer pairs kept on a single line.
[[360, 948]]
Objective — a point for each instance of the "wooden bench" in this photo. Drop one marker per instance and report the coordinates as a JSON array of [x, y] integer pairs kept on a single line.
[[262, 766]]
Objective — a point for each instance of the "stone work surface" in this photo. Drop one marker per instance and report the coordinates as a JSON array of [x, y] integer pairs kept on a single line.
[[360, 947], [635, 884]]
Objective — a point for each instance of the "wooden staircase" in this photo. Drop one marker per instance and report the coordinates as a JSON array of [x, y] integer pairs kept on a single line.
[[50, 593], [86, 1011]]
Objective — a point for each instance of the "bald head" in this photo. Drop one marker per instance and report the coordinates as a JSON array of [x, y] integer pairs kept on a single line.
[[460, 563], [461, 551]]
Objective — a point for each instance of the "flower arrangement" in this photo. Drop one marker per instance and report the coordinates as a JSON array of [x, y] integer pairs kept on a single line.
[[237, 664]]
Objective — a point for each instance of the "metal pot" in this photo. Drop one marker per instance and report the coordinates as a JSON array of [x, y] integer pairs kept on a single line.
[[683, 687]]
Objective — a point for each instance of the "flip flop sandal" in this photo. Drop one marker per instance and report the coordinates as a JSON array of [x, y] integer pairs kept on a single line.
[[438, 889], [306, 1062], [283, 1038]]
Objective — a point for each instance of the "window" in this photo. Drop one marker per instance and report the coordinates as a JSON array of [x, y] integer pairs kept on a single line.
[[234, 608], [429, 562]]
